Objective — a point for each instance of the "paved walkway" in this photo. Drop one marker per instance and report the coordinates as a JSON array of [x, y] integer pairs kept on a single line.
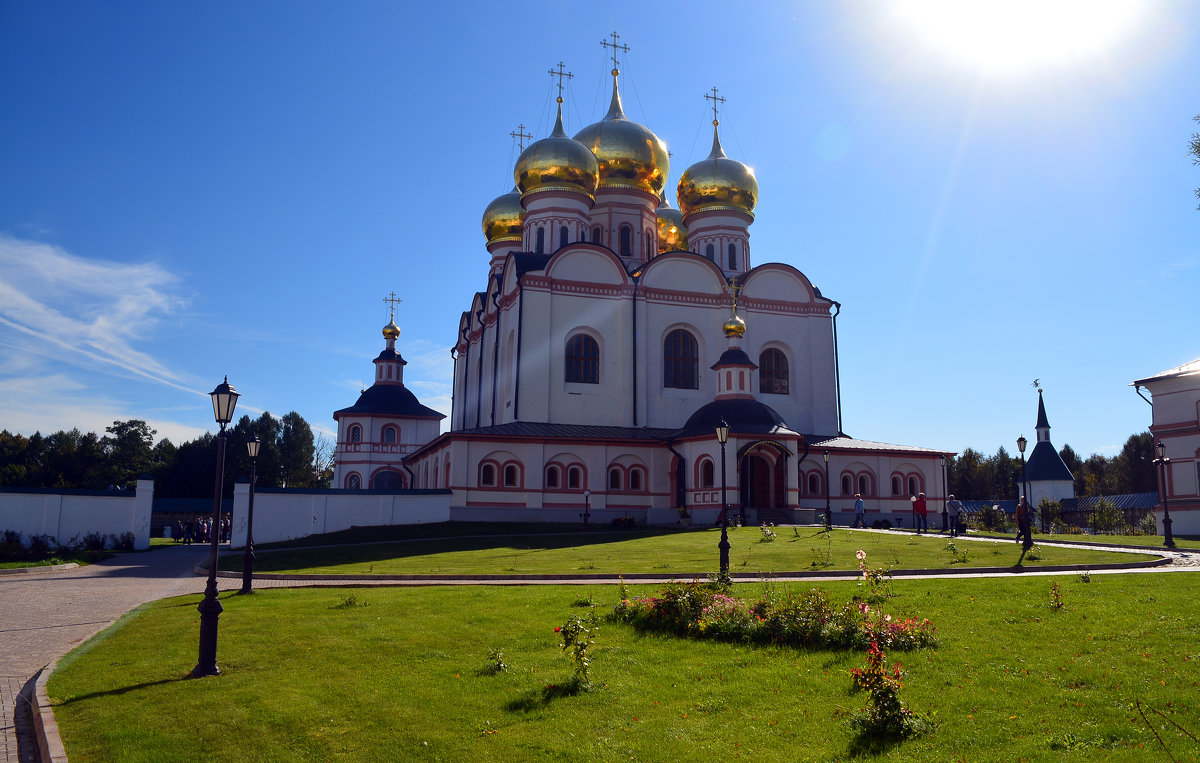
[[45, 613]]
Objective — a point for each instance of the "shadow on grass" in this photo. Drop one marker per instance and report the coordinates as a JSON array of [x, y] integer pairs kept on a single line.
[[119, 691], [872, 744], [539, 698]]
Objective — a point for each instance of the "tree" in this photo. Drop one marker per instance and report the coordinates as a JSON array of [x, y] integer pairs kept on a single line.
[[1194, 149], [296, 451], [323, 460], [1074, 464], [1134, 467], [969, 476], [130, 451]]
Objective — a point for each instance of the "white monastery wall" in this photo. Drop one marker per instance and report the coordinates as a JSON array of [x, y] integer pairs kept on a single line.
[[72, 515]]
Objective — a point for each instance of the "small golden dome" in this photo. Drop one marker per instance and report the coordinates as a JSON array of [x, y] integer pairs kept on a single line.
[[630, 155], [734, 327], [391, 331], [502, 218], [557, 163], [718, 182], [672, 233]]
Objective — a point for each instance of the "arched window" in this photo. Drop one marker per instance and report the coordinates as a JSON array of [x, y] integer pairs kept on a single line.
[[635, 479], [706, 474], [552, 477], [582, 362], [626, 241], [732, 257], [864, 485], [388, 479], [389, 434], [511, 476], [913, 488], [814, 484], [562, 236], [540, 247], [353, 482], [681, 361], [436, 473], [897, 488], [710, 252], [614, 478], [846, 484], [356, 433], [487, 475], [772, 372], [574, 478], [595, 234]]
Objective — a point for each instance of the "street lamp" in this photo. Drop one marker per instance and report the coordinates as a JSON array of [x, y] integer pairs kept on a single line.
[[723, 546], [945, 514], [1162, 462], [587, 507], [252, 446], [828, 510], [224, 400]]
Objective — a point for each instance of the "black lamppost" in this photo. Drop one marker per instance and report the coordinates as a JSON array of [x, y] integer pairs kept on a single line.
[[252, 446], [945, 514], [723, 437], [1162, 462], [587, 507], [224, 399], [1021, 443], [828, 509]]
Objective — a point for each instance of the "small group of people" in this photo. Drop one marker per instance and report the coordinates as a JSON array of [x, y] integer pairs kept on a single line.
[[200, 529], [954, 511]]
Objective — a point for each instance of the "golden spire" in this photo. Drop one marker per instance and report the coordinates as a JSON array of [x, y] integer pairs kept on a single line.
[[614, 107], [560, 74], [735, 326], [521, 136], [391, 330], [717, 152]]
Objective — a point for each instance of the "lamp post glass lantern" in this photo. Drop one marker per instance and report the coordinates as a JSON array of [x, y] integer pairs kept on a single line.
[[252, 446], [1162, 462], [224, 400], [723, 546]]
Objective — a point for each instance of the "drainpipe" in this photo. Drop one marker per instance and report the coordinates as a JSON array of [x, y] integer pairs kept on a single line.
[[453, 383], [479, 366], [837, 373], [495, 354], [633, 344], [517, 362], [1138, 389]]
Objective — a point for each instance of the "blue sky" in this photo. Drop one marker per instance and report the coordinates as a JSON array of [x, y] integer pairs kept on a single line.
[[194, 190]]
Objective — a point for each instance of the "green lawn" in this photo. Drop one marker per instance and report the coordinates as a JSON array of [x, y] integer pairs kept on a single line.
[[1156, 541], [400, 674], [683, 553]]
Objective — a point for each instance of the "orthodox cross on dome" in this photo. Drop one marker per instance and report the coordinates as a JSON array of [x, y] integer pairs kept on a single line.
[[715, 100], [560, 74], [615, 47], [391, 300], [521, 137], [735, 289]]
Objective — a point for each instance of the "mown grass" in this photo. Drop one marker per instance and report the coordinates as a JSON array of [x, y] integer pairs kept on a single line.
[[1155, 541], [401, 673], [684, 553]]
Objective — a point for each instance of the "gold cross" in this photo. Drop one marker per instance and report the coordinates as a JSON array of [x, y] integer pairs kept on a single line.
[[521, 136], [715, 100], [735, 289], [615, 47], [560, 74], [391, 300]]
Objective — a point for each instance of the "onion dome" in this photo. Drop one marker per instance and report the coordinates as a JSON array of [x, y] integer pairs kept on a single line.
[[672, 233], [556, 163], [630, 156], [734, 327], [718, 182], [502, 218], [391, 331]]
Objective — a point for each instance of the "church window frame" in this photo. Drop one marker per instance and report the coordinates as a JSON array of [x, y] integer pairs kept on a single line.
[[773, 372], [563, 237], [512, 475], [575, 480], [732, 257], [355, 433], [814, 483], [847, 484], [897, 485], [864, 484], [637, 479], [391, 435], [681, 360], [615, 478], [625, 237], [553, 476], [710, 252], [437, 475], [487, 475], [596, 235], [540, 242], [353, 481], [915, 484], [708, 474], [581, 359]]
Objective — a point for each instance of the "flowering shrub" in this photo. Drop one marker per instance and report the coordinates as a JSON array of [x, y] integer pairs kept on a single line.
[[768, 531], [886, 715], [878, 578], [578, 633], [956, 554], [706, 610]]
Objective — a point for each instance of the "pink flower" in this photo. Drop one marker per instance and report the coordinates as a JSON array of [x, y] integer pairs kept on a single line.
[[861, 555], [863, 607]]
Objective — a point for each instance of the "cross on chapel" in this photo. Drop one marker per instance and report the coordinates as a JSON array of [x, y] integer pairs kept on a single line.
[[715, 100], [615, 47], [521, 136], [560, 74], [391, 300]]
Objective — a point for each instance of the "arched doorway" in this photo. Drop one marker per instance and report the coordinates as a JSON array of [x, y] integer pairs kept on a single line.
[[762, 475], [388, 480]]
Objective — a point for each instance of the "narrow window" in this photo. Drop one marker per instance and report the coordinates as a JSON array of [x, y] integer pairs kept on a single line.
[[772, 372], [389, 434], [681, 361], [562, 236], [706, 474], [862, 486], [552, 477], [732, 257], [814, 484], [595, 234], [582, 361], [614, 479], [710, 252], [574, 478], [356, 433], [541, 241], [510, 476], [635, 479], [896, 487], [353, 482], [487, 475], [626, 241], [845, 484], [912, 486]]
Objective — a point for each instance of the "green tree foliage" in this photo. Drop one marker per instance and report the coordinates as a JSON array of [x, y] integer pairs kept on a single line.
[[130, 450], [297, 451], [1134, 466]]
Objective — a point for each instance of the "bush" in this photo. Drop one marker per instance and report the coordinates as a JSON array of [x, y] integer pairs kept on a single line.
[[12, 538], [1108, 519], [992, 518], [95, 541], [125, 541], [41, 547], [1049, 511], [1059, 527], [1148, 525]]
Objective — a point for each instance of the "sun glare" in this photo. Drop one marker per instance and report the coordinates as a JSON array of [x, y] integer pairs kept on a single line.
[[1009, 36]]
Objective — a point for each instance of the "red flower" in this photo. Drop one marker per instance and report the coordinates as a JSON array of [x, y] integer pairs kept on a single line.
[[556, 630]]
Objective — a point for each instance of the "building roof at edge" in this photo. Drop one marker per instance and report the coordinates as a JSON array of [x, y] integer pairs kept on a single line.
[[1045, 464], [1187, 369], [842, 442], [389, 400]]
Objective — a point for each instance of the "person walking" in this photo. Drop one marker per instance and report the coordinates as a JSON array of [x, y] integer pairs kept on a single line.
[[860, 512], [953, 509], [921, 512]]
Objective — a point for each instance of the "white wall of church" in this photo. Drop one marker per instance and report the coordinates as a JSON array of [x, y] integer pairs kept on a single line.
[[70, 515]]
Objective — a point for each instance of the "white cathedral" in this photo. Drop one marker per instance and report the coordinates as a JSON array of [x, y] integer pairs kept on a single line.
[[613, 335]]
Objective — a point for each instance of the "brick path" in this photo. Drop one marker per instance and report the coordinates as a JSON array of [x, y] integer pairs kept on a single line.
[[45, 614]]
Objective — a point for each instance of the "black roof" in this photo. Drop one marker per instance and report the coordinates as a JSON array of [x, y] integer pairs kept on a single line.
[[387, 354], [1045, 464], [1042, 420], [734, 356], [742, 416], [389, 400], [527, 261], [567, 431]]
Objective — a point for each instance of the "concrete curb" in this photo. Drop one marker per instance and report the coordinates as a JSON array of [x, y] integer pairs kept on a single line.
[[50, 745], [42, 568]]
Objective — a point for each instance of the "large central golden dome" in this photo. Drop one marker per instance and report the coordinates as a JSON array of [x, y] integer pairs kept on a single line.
[[629, 155], [718, 182], [556, 163]]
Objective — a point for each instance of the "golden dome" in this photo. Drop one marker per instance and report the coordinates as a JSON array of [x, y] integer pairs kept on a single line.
[[672, 233], [391, 331], [718, 182], [735, 326], [557, 163], [630, 156], [502, 218]]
